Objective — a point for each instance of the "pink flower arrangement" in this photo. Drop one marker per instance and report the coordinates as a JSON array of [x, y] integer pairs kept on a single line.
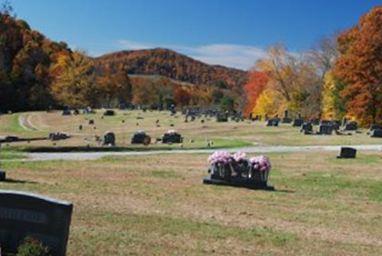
[[261, 163], [220, 157], [239, 156]]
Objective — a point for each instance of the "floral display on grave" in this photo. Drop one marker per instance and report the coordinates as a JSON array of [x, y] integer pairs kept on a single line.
[[238, 170]]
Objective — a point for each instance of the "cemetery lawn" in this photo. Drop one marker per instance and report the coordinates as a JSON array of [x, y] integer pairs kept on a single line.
[[125, 123], [157, 205]]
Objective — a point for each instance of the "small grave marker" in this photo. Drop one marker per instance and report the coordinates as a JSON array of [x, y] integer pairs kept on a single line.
[[347, 152]]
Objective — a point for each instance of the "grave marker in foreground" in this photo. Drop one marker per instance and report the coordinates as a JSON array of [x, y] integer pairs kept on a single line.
[[28, 215]]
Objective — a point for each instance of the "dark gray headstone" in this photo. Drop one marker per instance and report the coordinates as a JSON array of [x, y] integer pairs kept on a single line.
[[376, 133], [27, 215], [298, 122], [307, 128], [347, 152], [325, 129], [351, 126], [109, 139]]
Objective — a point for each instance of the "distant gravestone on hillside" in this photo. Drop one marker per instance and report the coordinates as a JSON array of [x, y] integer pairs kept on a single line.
[[3, 175], [109, 112], [351, 126], [286, 119], [221, 117], [273, 122], [325, 129], [91, 122], [66, 112], [28, 215], [347, 152], [298, 122], [376, 133], [374, 127], [307, 128], [109, 139], [140, 137]]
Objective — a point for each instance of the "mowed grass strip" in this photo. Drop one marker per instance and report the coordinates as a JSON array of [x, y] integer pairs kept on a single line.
[[157, 205]]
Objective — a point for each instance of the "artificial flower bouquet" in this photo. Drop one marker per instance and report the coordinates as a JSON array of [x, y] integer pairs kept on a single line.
[[224, 165]]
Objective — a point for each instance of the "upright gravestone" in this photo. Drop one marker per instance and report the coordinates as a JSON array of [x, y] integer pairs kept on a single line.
[[286, 119], [307, 128], [376, 133], [27, 215], [109, 139]]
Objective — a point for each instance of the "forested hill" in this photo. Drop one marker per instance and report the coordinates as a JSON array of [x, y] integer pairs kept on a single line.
[[26, 59], [174, 65], [37, 73]]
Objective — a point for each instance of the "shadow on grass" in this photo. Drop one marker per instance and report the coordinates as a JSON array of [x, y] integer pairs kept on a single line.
[[13, 181]]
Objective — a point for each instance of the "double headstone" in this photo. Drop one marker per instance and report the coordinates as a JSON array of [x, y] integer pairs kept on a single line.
[[25, 215], [325, 128]]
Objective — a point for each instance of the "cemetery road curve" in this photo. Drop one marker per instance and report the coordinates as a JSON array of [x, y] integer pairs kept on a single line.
[[258, 149]]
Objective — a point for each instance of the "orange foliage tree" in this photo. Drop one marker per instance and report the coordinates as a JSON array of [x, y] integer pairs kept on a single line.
[[360, 67], [256, 84]]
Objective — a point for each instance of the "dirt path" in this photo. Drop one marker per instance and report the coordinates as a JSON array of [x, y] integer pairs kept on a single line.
[[259, 149]]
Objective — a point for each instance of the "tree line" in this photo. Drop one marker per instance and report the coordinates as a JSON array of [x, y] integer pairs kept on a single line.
[[340, 77]]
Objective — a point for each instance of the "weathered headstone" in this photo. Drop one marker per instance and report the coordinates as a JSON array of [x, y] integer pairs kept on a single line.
[[347, 152], [27, 215]]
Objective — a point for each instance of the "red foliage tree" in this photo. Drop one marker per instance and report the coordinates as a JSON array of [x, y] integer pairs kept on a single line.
[[255, 86]]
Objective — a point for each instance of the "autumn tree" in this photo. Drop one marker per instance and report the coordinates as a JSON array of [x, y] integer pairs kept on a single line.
[[75, 86], [257, 82], [294, 79], [333, 106], [359, 66]]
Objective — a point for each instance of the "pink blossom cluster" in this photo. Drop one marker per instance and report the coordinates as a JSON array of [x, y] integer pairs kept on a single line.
[[239, 156], [261, 163], [220, 157]]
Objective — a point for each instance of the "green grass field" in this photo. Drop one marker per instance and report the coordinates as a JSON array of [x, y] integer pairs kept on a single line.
[[157, 205], [125, 123]]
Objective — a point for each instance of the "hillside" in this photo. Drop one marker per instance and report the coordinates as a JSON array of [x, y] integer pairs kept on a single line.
[[171, 64]]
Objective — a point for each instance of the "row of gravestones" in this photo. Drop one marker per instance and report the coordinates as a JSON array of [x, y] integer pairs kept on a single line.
[[140, 137]]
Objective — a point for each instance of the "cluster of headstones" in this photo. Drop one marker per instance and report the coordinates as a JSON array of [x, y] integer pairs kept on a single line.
[[140, 137]]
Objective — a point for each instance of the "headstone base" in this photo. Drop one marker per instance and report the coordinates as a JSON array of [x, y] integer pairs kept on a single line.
[[237, 182], [2, 175]]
